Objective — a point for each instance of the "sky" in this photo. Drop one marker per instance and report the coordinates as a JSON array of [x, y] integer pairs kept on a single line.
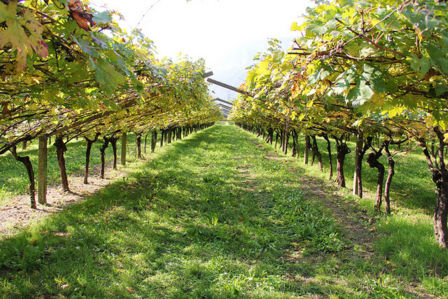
[[226, 33]]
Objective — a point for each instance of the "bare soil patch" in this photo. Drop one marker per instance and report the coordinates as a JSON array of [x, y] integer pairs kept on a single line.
[[17, 214], [351, 218], [247, 179]]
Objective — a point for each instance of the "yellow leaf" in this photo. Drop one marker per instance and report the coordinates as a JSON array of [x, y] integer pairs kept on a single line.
[[293, 115], [310, 104], [295, 27], [395, 111]]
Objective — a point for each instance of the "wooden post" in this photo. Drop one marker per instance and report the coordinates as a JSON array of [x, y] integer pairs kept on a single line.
[[42, 170], [123, 149]]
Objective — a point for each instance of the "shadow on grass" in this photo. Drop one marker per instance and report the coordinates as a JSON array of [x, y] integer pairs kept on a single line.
[[200, 220]]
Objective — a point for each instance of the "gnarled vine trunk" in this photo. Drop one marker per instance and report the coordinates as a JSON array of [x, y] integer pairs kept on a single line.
[[441, 211], [29, 169], [271, 135], [170, 135], [373, 162], [153, 141], [362, 145], [90, 143], [390, 175], [61, 148], [342, 150], [138, 142], [436, 163]]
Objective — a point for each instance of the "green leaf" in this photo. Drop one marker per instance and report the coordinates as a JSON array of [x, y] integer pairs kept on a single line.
[[318, 28], [353, 94], [314, 77], [359, 94], [365, 91], [420, 65], [108, 78], [341, 86], [375, 77], [440, 88], [438, 57], [379, 85], [102, 17], [367, 51], [368, 72], [86, 47]]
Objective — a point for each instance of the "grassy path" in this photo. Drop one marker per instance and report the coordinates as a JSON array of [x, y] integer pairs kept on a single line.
[[217, 215]]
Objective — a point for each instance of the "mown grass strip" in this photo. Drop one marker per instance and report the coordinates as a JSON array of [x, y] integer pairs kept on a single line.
[[208, 217], [405, 244]]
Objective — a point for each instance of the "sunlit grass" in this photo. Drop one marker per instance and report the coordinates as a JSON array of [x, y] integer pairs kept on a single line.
[[211, 217], [406, 239]]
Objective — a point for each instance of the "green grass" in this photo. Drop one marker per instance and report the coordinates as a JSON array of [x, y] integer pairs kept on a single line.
[[412, 186], [207, 217], [14, 179], [406, 238]]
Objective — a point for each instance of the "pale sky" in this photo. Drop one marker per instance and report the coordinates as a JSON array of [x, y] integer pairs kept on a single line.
[[226, 33]]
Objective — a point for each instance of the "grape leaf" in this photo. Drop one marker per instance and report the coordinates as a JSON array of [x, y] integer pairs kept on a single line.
[[106, 75], [15, 36]]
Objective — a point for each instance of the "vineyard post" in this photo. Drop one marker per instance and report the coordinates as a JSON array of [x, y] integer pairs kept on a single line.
[[357, 179], [42, 170], [123, 148]]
